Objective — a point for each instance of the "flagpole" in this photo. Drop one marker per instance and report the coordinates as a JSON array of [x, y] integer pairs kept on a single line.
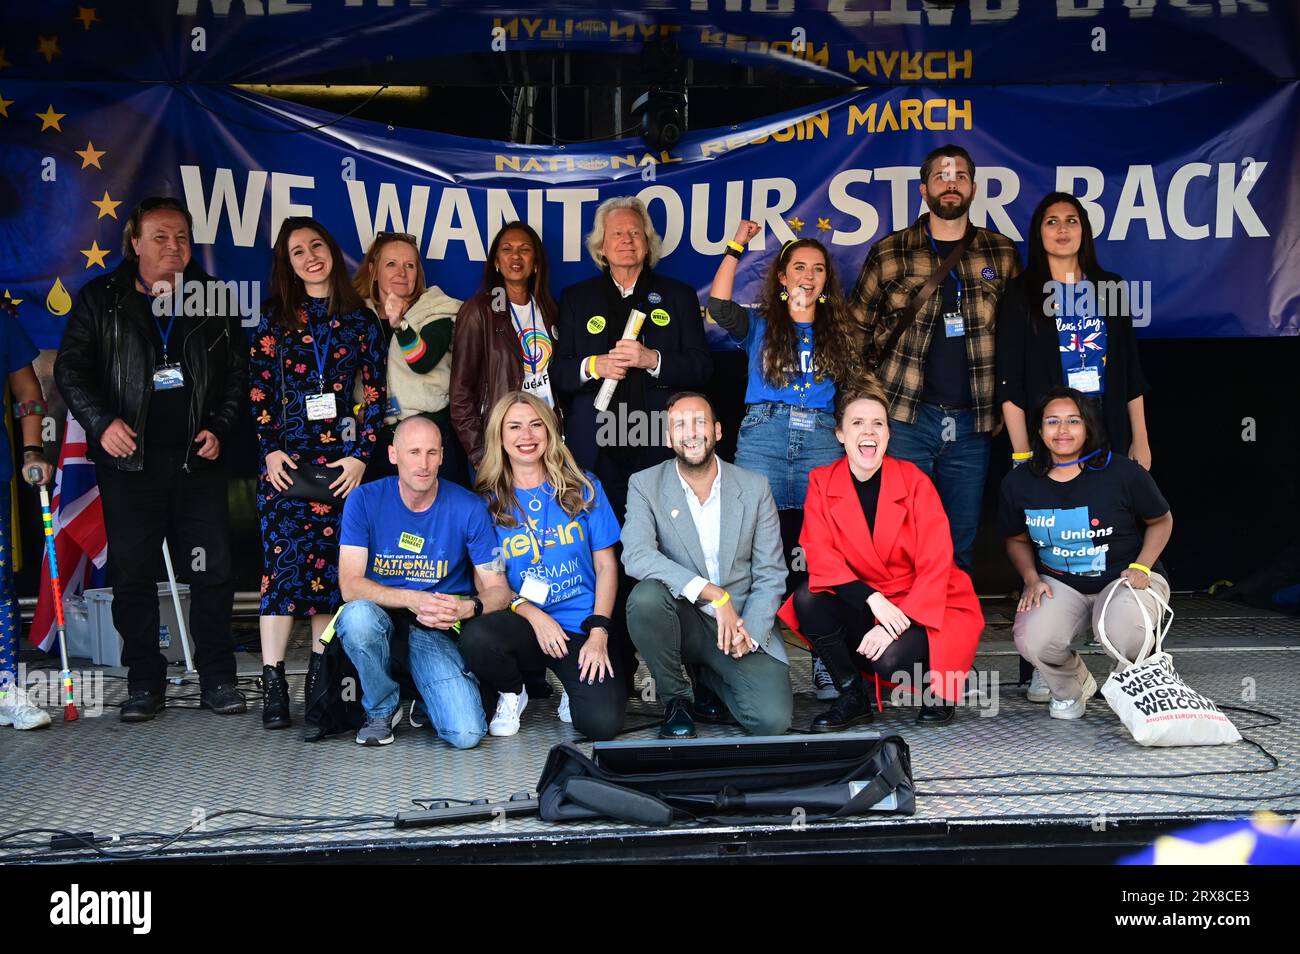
[[176, 602]]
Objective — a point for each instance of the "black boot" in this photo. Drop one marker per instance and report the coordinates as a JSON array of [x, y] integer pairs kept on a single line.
[[313, 670], [853, 707], [275, 697]]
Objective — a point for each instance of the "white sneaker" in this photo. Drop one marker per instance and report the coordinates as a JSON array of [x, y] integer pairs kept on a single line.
[[565, 714], [1073, 708], [1038, 691], [17, 710], [510, 706], [823, 685]]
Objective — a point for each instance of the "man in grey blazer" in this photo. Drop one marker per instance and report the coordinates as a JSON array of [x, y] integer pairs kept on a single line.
[[703, 538]]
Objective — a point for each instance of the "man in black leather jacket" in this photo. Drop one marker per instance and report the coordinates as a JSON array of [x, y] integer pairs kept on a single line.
[[158, 394]]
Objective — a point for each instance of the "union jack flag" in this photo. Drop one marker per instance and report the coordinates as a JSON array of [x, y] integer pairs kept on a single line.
[[1078, 343], [80, 542]]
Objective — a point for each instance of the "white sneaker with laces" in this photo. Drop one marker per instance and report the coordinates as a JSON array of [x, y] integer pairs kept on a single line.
[[1073, 708], [17, 710], [1038, 691], [565, 715], [823, 685], [510, 706]]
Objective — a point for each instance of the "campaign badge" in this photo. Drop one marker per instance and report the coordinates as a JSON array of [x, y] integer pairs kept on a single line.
[[660, 317], [595, 324]]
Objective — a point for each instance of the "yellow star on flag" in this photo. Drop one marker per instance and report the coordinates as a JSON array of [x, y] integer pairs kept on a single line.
[[1232, 849], [823, 225], [87, 16], [16, 301], [50, 119], [795, 223], [105, 205], [48, 47], [90, 155], [95, 255], [4, 106]]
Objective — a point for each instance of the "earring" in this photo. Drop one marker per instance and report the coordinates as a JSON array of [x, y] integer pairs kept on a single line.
[[821, 299], [784, 296]]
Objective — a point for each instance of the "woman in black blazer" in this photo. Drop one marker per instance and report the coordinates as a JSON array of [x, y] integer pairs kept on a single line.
[[1050, 335]]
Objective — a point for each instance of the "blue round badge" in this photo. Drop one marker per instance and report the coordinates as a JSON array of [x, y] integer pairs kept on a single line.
[[988, 274], [654, 298]]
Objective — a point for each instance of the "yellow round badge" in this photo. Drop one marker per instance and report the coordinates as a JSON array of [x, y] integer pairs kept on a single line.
[[595, 324], [659, 317]]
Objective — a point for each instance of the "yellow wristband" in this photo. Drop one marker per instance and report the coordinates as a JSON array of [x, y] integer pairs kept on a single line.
[[1139, 566], [517, 602], [721, 601], [591, 368], [736, 246], [1023, 455]]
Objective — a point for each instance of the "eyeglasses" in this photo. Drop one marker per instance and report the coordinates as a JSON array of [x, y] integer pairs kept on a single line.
[[400, 236], [1058, 421]]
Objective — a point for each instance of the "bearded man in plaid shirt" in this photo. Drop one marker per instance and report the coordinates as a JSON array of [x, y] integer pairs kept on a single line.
[[939, 372]]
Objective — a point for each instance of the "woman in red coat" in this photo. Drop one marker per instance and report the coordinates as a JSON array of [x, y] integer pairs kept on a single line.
[[883, 595]]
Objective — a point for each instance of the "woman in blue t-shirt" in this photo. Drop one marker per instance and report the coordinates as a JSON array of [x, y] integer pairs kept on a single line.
[[1084, 528], [801, 348], [557, 534]]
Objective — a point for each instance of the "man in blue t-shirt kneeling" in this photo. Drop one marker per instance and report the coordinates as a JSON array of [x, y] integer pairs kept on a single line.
[[406, 550]]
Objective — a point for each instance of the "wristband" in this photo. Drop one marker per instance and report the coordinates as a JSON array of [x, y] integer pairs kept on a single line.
[[24, 408], [595, 621], [33, 449], [1139, 566], [721, 601], [591, 368], [735, 250], [1023, 455], [517, 602]]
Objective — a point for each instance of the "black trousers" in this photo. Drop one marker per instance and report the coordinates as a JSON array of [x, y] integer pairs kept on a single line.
[[836, 630], [502, 652], [190, 510]]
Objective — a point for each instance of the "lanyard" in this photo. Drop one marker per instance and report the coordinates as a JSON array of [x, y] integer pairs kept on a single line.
[[953, 274], [805, 376], [532, 354], [165, 336], [1087, 457], [322, 354]]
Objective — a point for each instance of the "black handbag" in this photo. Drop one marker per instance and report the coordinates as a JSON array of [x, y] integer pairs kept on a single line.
[[312, 482]]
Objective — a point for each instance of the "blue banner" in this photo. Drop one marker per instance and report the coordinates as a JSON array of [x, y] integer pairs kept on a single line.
[[1193, 189], [836, 41]]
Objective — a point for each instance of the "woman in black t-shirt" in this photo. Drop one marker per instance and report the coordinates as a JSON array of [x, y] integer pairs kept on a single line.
[[1080, 521]]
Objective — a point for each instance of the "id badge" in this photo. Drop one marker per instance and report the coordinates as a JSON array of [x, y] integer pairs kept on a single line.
[[535, 591], [954, 324], [168, 377], [802, 419], [320, 407], [1086, 380]]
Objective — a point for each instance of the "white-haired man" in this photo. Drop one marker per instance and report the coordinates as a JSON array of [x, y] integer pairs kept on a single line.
[[669, 355]]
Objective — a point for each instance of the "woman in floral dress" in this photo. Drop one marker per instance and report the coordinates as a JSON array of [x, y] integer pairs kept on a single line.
[[314, 338]]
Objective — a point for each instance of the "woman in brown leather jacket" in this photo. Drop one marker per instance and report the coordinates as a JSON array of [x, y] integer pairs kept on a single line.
[[504, 335]]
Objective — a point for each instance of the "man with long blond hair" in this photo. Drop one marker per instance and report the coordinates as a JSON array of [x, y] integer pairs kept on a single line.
[[556, 532]]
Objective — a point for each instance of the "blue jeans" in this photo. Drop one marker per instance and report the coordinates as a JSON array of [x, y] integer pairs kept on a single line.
[[946, 446], [450, 693], [768, 445]]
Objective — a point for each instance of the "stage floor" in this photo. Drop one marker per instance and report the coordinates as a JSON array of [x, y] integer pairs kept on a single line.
[[1014, 785]]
